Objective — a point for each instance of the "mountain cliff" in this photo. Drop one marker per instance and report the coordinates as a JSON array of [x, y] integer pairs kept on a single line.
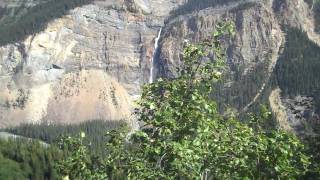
[[90, 60], [260, 58], [87, 64]]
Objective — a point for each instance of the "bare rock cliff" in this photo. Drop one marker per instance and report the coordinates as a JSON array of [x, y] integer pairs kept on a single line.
[[92, 62], [89, 64]]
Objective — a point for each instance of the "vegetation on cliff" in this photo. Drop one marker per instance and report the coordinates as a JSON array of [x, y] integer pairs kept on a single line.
[[183, 134], [297, 70], [184, 137], [297, 73]]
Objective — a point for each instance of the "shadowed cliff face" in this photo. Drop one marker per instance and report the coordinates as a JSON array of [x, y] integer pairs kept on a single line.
[[92, 62], [252, 55], [27, 17]]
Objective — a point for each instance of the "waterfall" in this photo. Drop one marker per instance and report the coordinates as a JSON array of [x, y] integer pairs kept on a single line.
[[156, 46]]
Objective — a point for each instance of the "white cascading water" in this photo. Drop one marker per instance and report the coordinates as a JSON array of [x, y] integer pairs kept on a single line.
[[153, 57]]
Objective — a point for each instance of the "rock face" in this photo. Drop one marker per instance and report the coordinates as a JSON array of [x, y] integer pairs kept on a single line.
[[298, 114], [252, 55], [254, 48], [91, 63], [301, 112]]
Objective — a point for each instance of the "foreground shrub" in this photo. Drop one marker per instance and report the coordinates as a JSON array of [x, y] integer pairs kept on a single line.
[[184, 137]]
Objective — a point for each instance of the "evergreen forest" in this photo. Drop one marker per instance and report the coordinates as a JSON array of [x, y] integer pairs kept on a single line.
[[52, 133], [20, 159], [298, 67]]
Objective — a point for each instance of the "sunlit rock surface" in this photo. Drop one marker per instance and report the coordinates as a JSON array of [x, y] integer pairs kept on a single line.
[[92, 62]]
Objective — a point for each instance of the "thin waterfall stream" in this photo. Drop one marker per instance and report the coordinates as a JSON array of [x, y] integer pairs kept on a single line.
[[156, 46]]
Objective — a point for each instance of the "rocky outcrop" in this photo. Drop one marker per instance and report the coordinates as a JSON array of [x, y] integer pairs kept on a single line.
[[302, 115], [279, 110], [297, 114]]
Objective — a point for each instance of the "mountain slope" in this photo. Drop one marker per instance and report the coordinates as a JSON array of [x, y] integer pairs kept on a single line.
[[96, 56], [255, 52], [91, 62]]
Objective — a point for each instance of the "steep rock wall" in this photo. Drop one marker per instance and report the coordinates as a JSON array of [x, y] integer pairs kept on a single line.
[[253, 52], [89, 64]]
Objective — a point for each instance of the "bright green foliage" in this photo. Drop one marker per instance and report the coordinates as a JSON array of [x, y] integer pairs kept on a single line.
[[78, 164], [184, 137], [27, 159], [313, 148]]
